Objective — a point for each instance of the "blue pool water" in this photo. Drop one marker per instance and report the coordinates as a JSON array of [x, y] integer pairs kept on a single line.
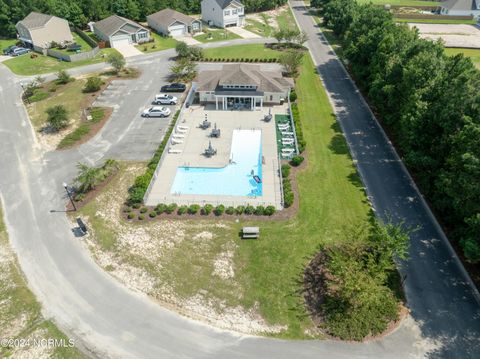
[[235, 179]]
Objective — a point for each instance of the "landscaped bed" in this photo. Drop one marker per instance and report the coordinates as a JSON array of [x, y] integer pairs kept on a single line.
[[212, 35], [159, 43]]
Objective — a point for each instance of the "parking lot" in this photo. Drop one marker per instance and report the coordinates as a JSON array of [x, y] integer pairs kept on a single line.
[[453, 35]]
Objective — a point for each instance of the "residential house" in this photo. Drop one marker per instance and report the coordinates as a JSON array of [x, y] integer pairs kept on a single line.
[[223, 13], [173, 23], [238, 86], [119, 31], [460, 7], [38, 31]]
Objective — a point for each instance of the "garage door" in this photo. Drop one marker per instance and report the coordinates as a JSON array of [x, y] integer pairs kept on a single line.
[[178, 30], [119, 41]]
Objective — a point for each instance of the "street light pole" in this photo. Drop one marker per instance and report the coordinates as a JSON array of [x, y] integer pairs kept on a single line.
[[69, 195]]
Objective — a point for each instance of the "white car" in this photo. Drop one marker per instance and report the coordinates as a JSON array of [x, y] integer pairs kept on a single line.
[[164, 99], [156, 111]]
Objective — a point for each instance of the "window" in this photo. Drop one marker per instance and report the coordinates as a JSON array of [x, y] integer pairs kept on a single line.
[[271, 97], [227, 12], [234, 12], [240, 11]]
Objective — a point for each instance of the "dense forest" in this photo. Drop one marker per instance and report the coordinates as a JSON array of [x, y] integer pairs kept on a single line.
[[80, 12], [430, 103]]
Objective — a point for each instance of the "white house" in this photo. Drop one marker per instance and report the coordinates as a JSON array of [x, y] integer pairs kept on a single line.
[[242, 86], [223, 13], [460, 7], [173, 23], [119, 31]]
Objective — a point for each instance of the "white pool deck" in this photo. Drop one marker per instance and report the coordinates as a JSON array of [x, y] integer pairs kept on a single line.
[[194, 142]]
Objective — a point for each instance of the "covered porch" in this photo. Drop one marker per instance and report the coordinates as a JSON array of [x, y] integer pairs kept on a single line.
[[230, 100]]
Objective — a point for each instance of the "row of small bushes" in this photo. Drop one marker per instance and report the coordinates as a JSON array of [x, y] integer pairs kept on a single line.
[[219, 59], [203, 210], [298, 128], [139, 188], [288, 195]]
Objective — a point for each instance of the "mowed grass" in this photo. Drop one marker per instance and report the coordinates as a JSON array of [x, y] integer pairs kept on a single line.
[[285, 20], [411, 3], [437, 21], [78, 40], [4, 43], [20, 312], [211, 35], [251, 51], [331, 197], [259, 28], [159, 43], [473, 54], [27, 66], [69, 95]]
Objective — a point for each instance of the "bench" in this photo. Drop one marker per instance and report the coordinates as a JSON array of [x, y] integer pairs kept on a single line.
[[250, 232], [81, 225]]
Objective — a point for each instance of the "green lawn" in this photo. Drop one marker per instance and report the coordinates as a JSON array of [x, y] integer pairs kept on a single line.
[[474, 54], [411, 3], [286, 20], [250, 51], [21, 315], [160, 43], [77, 39], [437, 21], [25, 65], [6, 43], [211, 35], [259, 28]]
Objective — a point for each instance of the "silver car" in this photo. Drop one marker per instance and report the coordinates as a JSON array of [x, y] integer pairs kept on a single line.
[[156, 111], [164, 99]]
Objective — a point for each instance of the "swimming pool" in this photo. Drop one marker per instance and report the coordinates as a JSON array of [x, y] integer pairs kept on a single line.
[[235, 179]]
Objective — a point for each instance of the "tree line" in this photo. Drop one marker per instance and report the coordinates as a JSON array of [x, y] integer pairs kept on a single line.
[[80, 12], [430, 103]]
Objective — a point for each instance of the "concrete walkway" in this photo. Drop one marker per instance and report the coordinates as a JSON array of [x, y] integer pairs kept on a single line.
[[128, 50], [245, 34]]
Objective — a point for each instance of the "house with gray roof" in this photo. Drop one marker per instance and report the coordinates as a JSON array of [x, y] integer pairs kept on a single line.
[[460, 7], [242, 86], [119, 31], [223, 13], [169, 22], [37, 31]]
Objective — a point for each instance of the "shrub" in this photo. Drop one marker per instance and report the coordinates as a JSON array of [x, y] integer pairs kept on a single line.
[[143, 210], [57, 117], [141, 217], [219, 210], [171, 208], [207, 209], [131, 216], [93, 84], [285, 170], [240, 210], [297, 161], [230, 210], [160, 208], [136, 205], [249, 209], [270, 210], [152, 214], [116, 60], [298, 128], [127, 209], [293, 96], [63, 77], [259, 211], [193, 209], [288, 195], [182, 210]]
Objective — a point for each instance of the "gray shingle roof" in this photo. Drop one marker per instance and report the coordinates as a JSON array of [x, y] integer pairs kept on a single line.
[[112, 24], [224, 3], [460, 5], [242, 74], [35, 20], [167, 16]]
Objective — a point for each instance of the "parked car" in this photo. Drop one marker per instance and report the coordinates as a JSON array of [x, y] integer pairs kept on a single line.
[[175, 87], [156, 111], [17, 50], [7, 50], [164, 99]]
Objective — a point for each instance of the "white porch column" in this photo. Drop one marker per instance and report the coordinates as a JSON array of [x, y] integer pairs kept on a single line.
[[261, 103], [216, 102]]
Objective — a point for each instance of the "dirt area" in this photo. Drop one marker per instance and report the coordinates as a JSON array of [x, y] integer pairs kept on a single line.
[[271, 15], [453, 35], [185, 265]]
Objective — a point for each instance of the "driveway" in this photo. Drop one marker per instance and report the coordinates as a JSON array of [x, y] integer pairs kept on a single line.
[[453, 35], [240, 31], [440, 295], [128, 50], [189, 40]]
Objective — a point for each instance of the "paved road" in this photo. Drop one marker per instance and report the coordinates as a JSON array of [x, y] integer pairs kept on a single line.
[[438, 291], [106, 318]]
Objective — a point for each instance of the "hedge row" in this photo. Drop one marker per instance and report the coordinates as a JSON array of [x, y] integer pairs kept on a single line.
[[205, 210], [219, 59], [140, 186], [288, 195], [298, 128]]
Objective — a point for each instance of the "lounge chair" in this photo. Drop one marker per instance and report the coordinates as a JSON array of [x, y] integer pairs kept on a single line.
[[172, 150], [182, 127], [177, 130], [178, 136], [286, 133], [287, 150], [175, 142]]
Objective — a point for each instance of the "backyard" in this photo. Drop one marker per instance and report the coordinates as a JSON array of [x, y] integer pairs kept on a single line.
[[436, 21], [411, 3], [21, 313], [473, 54], [251, 51], [212, 35], [159, 43], [27, 66], [204, 270], [79, 41]]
